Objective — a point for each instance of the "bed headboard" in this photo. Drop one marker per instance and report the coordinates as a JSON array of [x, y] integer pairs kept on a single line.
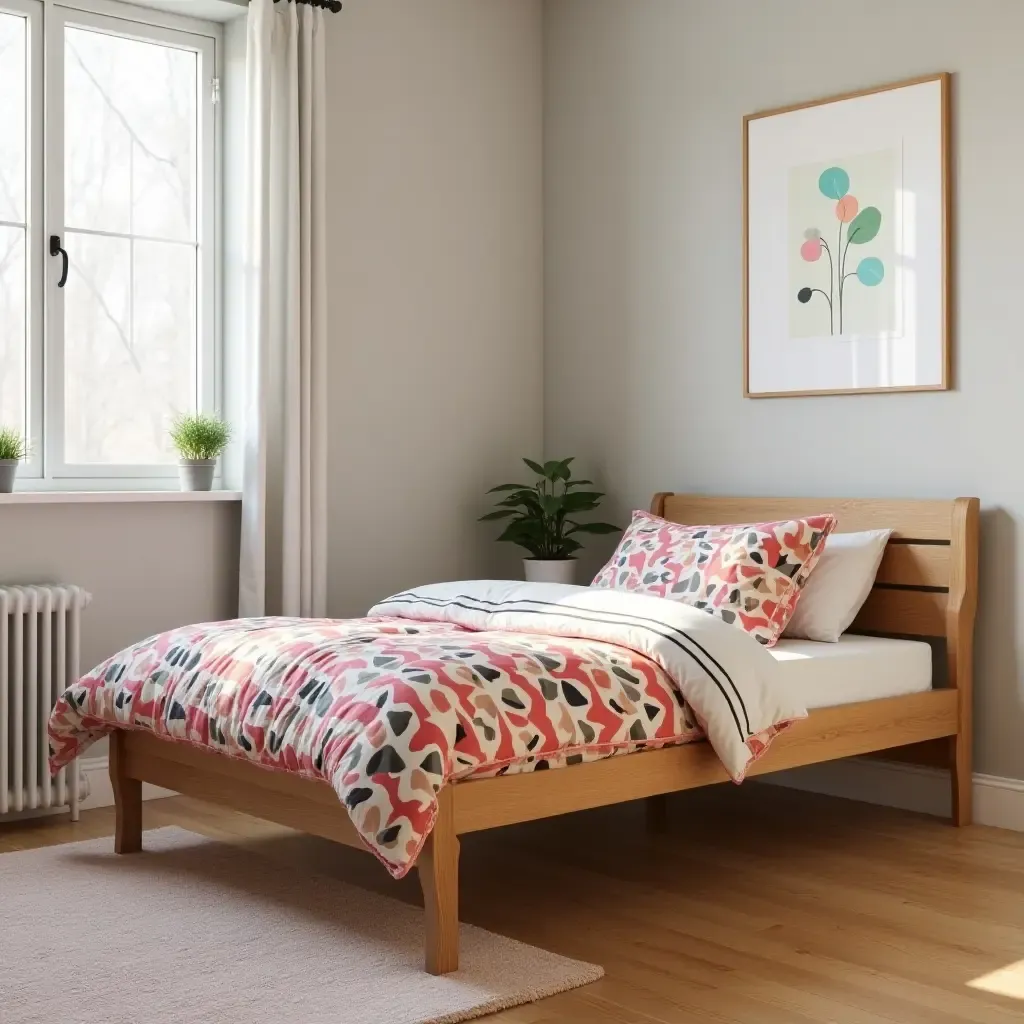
[[927, 585]]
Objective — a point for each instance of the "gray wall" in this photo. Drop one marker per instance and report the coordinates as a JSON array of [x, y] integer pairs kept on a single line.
[[148, 566], [643, 360], [435, 253], [436, 306]]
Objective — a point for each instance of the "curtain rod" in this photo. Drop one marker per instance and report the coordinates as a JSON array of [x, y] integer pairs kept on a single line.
[[328, 5]]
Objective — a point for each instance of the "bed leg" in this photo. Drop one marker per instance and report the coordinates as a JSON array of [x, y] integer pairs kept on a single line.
[[657, 812], [439, 879], [961, 778], [127, 799]]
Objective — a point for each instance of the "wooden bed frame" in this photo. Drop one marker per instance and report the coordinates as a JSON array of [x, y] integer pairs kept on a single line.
[[926, 587]]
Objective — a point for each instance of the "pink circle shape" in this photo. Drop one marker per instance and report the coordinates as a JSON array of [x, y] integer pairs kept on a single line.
[[811, 250], [846, 208]]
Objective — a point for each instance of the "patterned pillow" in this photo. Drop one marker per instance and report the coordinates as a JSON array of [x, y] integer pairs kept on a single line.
[[750, 576]]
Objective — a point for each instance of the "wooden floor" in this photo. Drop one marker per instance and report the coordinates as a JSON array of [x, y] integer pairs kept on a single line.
[[757, 905]]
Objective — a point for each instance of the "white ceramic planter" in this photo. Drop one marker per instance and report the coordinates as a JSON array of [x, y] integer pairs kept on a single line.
[[541, 570], [8, 473], [197, 474]]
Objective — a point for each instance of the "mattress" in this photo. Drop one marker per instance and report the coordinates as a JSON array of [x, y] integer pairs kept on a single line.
[[857, 668]]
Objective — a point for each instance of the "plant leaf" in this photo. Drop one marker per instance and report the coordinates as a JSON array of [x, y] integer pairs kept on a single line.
[[509, 487], [529, 499], [595, 528], [527, 534], [535, 466], [552, 504], [834, 183], [864, 226], [582, 501], [563, 468], [579, 483], [552, 470], [870, 271], [500, 514]]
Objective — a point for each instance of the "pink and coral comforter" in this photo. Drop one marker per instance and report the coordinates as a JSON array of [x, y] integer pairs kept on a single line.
[[438, 684]]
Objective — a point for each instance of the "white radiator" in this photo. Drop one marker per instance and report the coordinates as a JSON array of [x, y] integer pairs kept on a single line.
[[40, 628]]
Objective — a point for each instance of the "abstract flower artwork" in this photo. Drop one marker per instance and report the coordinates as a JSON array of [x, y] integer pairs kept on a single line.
[[846, 218], [861, 226]]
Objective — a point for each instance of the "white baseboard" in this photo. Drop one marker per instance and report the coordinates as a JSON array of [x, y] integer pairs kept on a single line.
[[101, 793], [997, 801]]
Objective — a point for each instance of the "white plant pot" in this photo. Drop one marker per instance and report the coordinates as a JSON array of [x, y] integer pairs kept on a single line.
[[197, 474], [543, 570], [8, 472]]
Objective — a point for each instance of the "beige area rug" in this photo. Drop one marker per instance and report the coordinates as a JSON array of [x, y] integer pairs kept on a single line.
[[198, 932]]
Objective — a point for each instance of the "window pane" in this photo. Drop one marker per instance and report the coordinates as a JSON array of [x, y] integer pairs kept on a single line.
[[130, 343], [128, 364], [12, 327], [129, 135], [13, 38]]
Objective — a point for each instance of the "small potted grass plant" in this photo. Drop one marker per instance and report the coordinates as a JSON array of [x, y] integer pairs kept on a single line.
[[544, 520], [13, 450], [199, 439]]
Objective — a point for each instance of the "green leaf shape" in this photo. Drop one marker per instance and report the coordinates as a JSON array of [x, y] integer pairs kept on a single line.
[[864, 226], [199, 436], [594, 528], [581, 501], [527, 533], [834, 183], [530, 499], [13, 446], [541, 517], [870, 271], [561, 469]]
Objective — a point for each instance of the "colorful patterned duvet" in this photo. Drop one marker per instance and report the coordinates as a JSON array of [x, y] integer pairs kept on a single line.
[[438, 684]]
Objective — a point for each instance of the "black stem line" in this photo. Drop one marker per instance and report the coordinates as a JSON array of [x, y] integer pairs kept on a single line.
[[843, 274], [839, 246], [831, 285], [828, 298]]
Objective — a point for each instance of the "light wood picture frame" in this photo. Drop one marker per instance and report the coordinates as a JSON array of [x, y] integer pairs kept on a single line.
[[869, 171]]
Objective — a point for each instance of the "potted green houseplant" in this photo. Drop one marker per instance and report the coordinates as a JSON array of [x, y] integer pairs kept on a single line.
[[543, 519], [13, 449], [199, 440]]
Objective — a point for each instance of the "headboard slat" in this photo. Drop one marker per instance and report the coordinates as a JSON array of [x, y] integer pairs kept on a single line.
[[907, 612], [911, 520], [915, 565]]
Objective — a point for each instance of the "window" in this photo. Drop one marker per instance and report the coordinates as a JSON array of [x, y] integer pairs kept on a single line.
[[114, 152]]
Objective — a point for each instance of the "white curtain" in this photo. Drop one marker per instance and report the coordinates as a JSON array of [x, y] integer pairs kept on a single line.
[[283, 568]]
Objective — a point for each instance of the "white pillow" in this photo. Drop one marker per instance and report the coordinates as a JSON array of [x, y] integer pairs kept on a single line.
[[838, 585]]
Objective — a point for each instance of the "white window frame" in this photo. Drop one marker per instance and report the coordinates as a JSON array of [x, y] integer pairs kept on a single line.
[[32, 11], [47, 468]]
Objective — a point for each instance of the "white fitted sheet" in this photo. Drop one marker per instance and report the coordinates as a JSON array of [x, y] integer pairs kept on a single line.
[[822, 675]]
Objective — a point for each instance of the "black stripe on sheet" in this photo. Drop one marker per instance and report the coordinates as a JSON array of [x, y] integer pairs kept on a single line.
[[630, 619], [412, 598]]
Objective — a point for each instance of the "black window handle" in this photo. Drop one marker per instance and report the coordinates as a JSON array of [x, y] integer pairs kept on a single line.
[[56, 249]]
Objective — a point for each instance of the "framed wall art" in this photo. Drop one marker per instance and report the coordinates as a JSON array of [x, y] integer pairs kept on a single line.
[[846, 239]]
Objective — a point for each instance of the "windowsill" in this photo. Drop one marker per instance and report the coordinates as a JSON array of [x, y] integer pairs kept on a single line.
[[113, 497]]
